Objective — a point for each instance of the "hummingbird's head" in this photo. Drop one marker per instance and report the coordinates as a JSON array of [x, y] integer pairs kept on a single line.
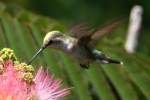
[[52, 38]]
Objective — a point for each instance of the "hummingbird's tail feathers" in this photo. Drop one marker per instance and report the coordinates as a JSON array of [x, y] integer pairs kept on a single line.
[[104, 59], [111, 61]]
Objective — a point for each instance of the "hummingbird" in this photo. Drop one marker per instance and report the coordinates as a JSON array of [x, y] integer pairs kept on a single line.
[[79, 44]]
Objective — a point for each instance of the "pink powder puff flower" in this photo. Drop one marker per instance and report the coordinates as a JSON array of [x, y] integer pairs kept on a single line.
[[11, 86], [17, 81], [46, 88]]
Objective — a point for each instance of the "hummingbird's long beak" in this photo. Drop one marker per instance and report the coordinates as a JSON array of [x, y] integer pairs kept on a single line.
[[37, 53]]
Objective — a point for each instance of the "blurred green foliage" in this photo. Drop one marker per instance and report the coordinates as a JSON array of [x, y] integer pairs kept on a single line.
[[95, 12], [23, 31]]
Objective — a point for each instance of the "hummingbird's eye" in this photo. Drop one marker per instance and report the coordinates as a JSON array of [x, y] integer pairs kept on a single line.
[[50, 42]]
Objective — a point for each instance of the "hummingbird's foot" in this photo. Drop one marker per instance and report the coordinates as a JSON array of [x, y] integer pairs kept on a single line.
[[84, 66]]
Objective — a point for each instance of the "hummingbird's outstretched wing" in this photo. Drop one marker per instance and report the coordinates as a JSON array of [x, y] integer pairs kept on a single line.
[[107, 28], [80, 30], [86, 35]]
